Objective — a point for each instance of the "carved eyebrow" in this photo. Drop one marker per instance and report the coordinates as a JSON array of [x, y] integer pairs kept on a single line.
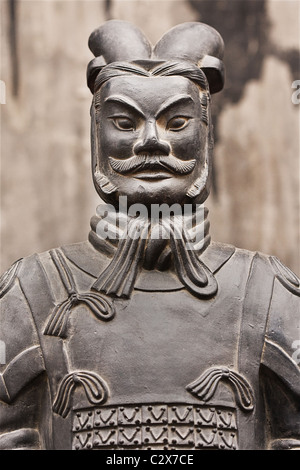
[[126, 101], [174, 100]]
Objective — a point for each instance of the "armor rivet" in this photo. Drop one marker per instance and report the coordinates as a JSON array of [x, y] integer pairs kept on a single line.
[[222, 446], [221, 433], [147, 429], [150, 408], [173, 428], [121, 441], [174, 408], [122, 408], [148, 420], [189, 408], [137, 408], [77, 427], [90, 413], [138, 428], [146, 439], [174, 441], [174, 420], [191, 441], [137, 421], [112, 442], [77, 447], [97, 423], [78, 415], [89, 445], [136, 441], [89, 426], [111, 423]]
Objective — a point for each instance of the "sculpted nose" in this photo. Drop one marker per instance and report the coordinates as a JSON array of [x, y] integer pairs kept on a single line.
[[150, 143]]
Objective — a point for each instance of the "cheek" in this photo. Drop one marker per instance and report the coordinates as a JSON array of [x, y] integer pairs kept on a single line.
[[188, 145], [115, 143]]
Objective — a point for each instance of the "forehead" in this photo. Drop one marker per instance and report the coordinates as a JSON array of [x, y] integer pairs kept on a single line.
[[151, 92]]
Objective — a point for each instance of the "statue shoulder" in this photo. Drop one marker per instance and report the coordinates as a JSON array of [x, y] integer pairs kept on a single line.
[[8, 278], [21, 355], [281, 353]]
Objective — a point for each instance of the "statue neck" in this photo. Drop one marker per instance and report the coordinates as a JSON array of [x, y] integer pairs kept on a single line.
[[109, 228]]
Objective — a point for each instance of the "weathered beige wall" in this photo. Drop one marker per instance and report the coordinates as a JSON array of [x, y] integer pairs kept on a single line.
[[47, 196]]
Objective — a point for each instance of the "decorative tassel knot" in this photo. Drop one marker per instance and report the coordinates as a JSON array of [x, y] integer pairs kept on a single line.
[[100, 306], [95, 388], [205, 386]]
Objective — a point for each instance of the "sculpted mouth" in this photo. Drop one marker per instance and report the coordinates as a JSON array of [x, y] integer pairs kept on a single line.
[[152, 175], [152, 166]]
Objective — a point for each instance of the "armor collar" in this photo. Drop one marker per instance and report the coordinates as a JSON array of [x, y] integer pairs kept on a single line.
[[108, 229], [96, 255], [174, 242]]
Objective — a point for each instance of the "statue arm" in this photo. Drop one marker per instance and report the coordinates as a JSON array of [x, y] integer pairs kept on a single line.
[[21, 366], [280, 369]]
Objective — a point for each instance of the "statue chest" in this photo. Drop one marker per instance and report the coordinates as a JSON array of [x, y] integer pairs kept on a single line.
[[145, 361], [162, 372]]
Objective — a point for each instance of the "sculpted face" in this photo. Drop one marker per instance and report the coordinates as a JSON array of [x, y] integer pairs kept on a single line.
[[151, 141]]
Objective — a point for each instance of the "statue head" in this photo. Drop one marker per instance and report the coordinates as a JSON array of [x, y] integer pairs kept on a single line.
[[151, 126]]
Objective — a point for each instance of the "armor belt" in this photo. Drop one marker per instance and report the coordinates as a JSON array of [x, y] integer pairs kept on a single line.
[[159, 426]]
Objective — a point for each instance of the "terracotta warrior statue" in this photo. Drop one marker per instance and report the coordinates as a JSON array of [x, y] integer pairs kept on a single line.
[[149, 335]]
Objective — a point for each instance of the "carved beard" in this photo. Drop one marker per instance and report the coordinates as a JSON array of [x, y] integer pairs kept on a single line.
[[104, 183]]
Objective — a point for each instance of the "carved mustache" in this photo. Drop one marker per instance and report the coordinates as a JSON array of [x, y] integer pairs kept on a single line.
[[153, 162]]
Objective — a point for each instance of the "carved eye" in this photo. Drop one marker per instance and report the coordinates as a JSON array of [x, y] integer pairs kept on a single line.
[[124, 123], [177, 123]]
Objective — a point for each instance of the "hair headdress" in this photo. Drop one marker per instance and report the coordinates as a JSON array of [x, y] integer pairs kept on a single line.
[[193, 42]]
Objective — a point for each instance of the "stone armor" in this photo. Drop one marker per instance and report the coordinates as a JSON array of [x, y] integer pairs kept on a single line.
[[168, 374]]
